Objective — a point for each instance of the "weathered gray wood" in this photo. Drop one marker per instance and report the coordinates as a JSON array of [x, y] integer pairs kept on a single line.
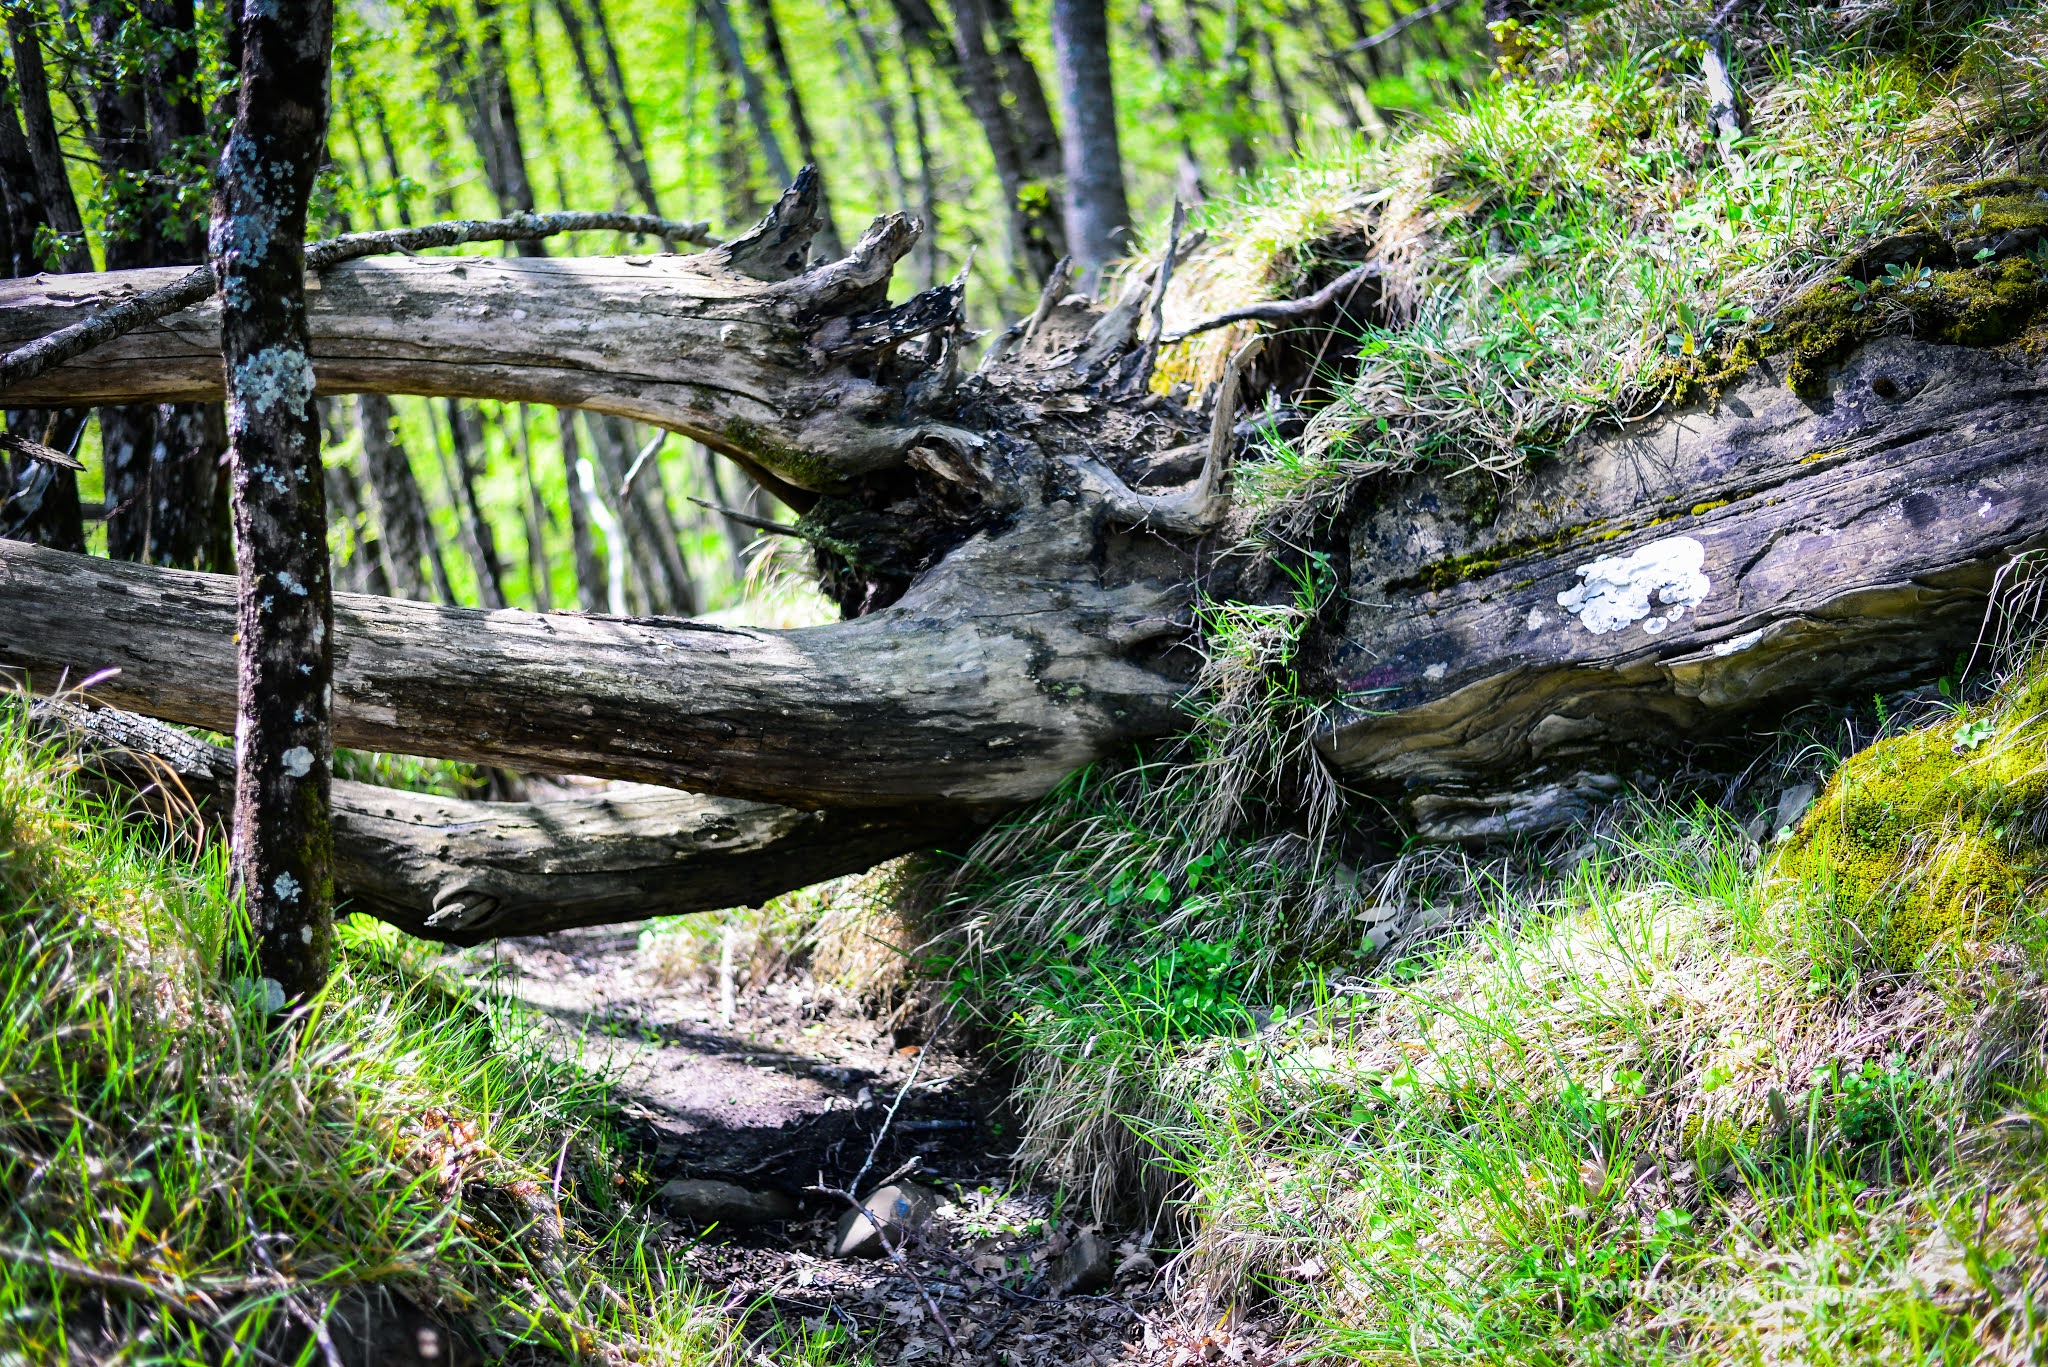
[[1846, 546], [1002, 673], [684, 342], [463, 872], [1841, 546], [1815, 549]]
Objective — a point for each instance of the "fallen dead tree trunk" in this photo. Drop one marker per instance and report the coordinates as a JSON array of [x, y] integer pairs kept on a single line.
[[1016, 549], [463, 872]]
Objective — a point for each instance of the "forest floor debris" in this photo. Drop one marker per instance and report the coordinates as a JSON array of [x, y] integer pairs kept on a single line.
[[787, 1097]]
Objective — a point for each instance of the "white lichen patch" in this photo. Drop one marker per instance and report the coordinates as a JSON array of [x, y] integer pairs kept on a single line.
[[298, 761], [1654, 585], [286, 887], [276, 375]]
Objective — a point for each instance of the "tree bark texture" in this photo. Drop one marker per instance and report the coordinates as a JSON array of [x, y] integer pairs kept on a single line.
[[462, 872], [283, 600], [1017, 549]]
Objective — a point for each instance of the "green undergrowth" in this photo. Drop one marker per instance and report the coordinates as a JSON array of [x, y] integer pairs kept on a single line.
[[1568, 247], [1930, 842], [1656, 1095], [184, 1183]]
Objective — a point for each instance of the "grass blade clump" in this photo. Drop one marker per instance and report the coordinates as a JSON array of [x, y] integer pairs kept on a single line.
[[183, 1183]]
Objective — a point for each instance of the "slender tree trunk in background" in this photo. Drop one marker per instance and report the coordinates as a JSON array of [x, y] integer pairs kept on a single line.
[[644, 520], [283, 846], [32, 84], [590, 574], [829, 245], [188, 520], [381, 120], [612, 107], [1098, 218], [407, 530], [636, 142], [1282, 96], [365, 570], [536, 516], [751, 93], [1038, 137], [927, 184], [1036, 238], [1189, 185], [42, 501], [129, 239], [465, 442], [735, 153], [1237, 72], [870, 67], [498, 121]]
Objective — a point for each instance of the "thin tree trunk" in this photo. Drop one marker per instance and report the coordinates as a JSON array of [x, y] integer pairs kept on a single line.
[[927, 178], [129, 240], [381, 120], [536, 516], [1237, 80], [364, 571], [188, 524], [1189, 188], [735, 154], [32, 82], [612, 107], [751, 93], [1038, 137], [42, 504], [498, 121], [407, 530], [283, 845], [459, 468], [636, 143], [652, 554], [1036, 237], [1098, 217], [1290, 119], [771, 38], [878, 93], [590, 573]]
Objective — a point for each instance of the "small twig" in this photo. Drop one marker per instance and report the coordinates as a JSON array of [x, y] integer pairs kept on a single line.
[[646, 454], [890, 1119], [24, 363], [1282, 310], [35, 450], [759, 524], [1148, 356], [135, 1286], [1400, 26], [1055, 290]]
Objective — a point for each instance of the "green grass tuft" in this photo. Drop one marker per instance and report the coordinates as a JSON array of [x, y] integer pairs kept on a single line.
[[184, 1184]]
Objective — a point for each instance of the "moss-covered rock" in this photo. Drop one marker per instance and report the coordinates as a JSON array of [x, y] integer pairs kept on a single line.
[[1930, 839]]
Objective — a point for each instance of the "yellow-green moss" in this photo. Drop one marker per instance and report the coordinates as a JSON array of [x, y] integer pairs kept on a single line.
[[1963, 300], [1926, 839]]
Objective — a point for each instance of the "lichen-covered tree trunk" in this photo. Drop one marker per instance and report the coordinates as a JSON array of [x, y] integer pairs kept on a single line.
[[283, 601], [1017, 551]]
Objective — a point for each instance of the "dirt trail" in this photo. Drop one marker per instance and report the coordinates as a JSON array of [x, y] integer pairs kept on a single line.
[[788, 1095]]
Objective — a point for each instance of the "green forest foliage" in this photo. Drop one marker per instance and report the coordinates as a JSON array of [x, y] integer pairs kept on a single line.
[[474, 108]]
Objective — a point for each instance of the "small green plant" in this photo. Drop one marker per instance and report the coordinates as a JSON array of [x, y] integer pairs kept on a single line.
[[1873, 1101]]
